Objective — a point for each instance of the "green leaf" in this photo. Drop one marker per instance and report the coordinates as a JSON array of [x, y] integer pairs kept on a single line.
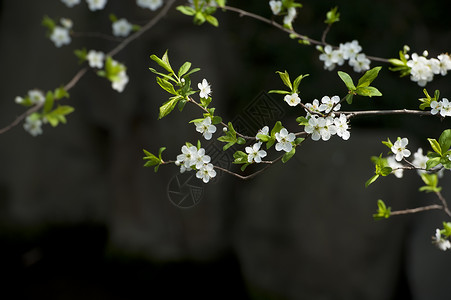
[[161, 151], [168, 106], [288, 155], [371, 180], [186, 10], [347, 80], [166, 85], [263, 137], [48, 104], [432, 162], [435, 146], [240, 157], [302, 121], [368, 77], [298, 141], [349, 97], [81, 54], [113, 18], [152, 160], [368, 91], [297, 81], [382, 211], [332, 16], [445, 140], [279, 92], [162, 62], [221, 3], [60, 93], [388, 143], [49, 23], [184, 68], [286, 79], [212, 20], [192, 71], [385, 171]]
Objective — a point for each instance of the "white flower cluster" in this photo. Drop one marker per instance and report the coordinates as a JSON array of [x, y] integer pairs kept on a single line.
[[443, 107], [121, 27], [442, 243], [95, 59], [150, 4], [33, 125], [324, 127], [419, 161], [34, 97], [206, 128], [284, 140], [60, 35], [422, 69], [348, 51], [196, 159], [276, 8]]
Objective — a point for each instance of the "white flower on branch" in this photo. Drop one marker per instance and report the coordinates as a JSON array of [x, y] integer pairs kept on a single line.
[[205, 127], [284, 140], [205, 89], [206, 172], [67, 23], [150, 4], [200, 158], [187, 158], [292, 99], [441, 243], [276, 6], [263, 131], [120, 81], [122, 27], [71, 3], [33, 125], [96, 4], [36, 96], [313, 107], [330, 103], [341, 125], [60, 36], [396, 166], [360, 63], [95, 59], [254, 154], [399, 149]]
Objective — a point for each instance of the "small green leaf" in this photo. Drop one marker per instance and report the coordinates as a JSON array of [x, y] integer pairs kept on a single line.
[[168, 106], [162, 62], [382, 211], [368, 77], [432, 162], [263, 137], [371, 180], [349, 97], [297, 81], [166, 85], [347, 80], [279, 92], [186, 10], [388, 143], [332, 16], [60, 93], [285, 78], [288, 155], [48, 104], [385, 171], [435, 146], [212, 20], [302, 121], [368, 91], [298, 141], [184, 68], [445, 140]]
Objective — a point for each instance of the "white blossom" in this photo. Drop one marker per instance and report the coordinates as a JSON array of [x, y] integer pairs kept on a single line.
[[328, 103], [263, 131], [95, 59], [313, 128], [399, 149], [341, 125], [67, 23], [284, 140], [33, 125], [200, 158], [276, 6], [327, 128], [71, 3], [187, 158], [150, 4], [396, 166], [254, 153], [313, 107], [206, 172], [436, 107], [350, 49], [122, 27], [36, 96], [289, 18], [205, 127], [60, 36], [327, 57], [442, 243], [292, 99], [96, 4], [360, 63], [120, 81], [444, 63], [445, 108], [205, 88]]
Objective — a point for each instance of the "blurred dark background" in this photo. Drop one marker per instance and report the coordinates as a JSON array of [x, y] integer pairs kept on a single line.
[[81, 218]]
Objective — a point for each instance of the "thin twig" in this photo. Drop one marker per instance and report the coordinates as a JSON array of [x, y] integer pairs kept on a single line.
[[97, 35], [351, 114], [445, 205], [415, 210]]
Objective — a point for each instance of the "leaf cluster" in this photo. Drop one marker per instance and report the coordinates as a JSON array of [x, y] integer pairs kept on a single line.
[[363, 87], [231, 138], [178, 84], [293, 86], [400, 65], [383, 212], [426, 102], [442, 152], [152, 160], [201, 11], [381, 169]]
